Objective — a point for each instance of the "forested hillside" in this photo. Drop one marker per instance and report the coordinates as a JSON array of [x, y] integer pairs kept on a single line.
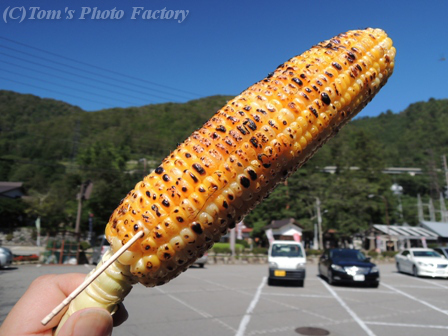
[[53, 147]]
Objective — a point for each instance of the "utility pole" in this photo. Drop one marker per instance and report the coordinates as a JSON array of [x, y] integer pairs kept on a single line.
[[232, 242], [84, 194], [319, 223], [434, 183], [76, 136], [144, 166], [445, 168], [443, 212], [420, 208]]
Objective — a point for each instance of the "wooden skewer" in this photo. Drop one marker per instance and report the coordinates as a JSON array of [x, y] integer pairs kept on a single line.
[[90, 279]]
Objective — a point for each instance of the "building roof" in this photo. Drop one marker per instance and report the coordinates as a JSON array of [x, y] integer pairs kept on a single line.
[[410, 232], [390, 170], [439, 228], [7, 186], [276, 224]]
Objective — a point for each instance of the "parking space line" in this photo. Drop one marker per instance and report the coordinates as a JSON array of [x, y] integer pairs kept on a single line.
[[347, 308], [200, 312], [298, 295], [417, 286], [432, 283], [246, 318], [426, 326], [415, 299], [364, 291], [311, 313]]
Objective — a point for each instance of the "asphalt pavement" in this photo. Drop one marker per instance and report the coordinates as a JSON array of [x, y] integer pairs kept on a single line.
[[224, 300]]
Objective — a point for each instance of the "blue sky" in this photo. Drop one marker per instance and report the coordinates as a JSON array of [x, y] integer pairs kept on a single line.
[[221, 47]]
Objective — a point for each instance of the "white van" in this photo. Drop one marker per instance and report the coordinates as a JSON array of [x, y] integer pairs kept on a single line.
[[287, 261]]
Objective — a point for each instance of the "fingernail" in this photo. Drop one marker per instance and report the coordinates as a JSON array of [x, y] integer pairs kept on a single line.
[[93, 322]]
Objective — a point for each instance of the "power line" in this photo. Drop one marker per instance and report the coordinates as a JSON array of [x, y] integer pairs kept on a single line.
[[65, 86], [58, 92], [82, 76], [83, 70], [100, 68], [71, 80]]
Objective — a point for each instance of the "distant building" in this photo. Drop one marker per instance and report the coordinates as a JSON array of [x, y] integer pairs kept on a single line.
[[439, 228], [284, 229], [389, 170], [438, 219], [11, 189], [395, 238]]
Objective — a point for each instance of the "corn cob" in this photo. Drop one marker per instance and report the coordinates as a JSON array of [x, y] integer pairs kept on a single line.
[[254, 142]]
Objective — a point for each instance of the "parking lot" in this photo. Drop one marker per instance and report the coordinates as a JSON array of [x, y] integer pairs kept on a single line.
[[236, 300]]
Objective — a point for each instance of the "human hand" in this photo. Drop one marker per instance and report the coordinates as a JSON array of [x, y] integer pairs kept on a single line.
[[43, 295]]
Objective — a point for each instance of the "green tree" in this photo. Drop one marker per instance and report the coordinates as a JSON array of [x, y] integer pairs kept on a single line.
[[12, 212], [104, 165]]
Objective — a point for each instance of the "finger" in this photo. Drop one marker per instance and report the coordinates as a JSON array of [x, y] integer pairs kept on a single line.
[[88, 322], [44, 293]]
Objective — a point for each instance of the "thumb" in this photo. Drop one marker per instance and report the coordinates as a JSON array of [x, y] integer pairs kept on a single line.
[[88, 322]]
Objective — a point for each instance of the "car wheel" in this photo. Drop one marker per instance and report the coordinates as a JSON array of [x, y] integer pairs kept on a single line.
[[375, 285], [398, 267], [415, 271], [301, 283], [330, 278], [270, 282]]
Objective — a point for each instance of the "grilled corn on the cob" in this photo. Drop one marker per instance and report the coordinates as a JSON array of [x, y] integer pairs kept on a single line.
[[255, 141]]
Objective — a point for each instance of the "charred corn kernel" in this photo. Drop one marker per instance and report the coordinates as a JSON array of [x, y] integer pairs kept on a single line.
[[229, 165], [250, 145]]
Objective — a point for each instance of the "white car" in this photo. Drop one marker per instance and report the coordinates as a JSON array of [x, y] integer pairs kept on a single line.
[[287, 261], [422, 262], [202, 260]]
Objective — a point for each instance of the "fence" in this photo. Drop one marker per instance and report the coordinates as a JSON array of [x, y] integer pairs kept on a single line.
[[61, 252]]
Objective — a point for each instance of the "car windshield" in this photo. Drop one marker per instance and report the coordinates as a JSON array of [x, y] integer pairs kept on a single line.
[[347, 254], [286, 250], [427, 254]]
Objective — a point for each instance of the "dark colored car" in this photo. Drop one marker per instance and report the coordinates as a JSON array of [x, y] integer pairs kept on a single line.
[[349, 266]]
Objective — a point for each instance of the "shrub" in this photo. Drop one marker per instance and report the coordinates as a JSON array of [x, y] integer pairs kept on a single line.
[[373, 254], [311, 252], [225, 248], [260, 250], [84, 245], [243, 242], [389, 254], [221, 250]]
